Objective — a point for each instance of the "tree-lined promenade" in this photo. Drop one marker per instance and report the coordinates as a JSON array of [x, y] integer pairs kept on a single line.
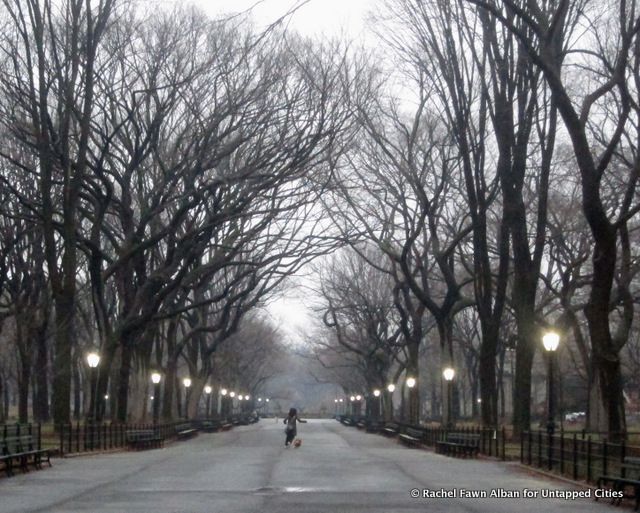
[[248, 469], [473, 179]]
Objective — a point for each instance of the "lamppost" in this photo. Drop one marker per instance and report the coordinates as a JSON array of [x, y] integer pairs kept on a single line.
[[378, 403], [187, 385], [412, 413], [232, 394], [358, 404], [267, 401], [93, 360], [391, 388], [207, 391], [550, 341], [353, 400], [222, 403], [155, 379], [448, 374], [340, 406]]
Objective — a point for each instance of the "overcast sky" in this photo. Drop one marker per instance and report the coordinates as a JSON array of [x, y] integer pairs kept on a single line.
[[315, 17], [312, 18]]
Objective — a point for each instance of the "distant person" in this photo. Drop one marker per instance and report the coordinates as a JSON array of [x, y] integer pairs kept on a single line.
[[291, 430]]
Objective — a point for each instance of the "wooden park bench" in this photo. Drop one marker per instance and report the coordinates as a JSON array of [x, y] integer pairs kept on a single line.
[[210, 426], [19, 451], [391, 429], [361, 423], [138, 439], [628, 483], [412, 436], [375, 426], [346, 421], [459, 444], [185, 431]]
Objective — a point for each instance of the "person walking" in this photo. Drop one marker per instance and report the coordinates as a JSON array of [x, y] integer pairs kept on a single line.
[[292, 429]]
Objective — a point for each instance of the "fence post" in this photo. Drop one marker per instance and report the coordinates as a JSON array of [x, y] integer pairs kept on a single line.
[[575, 456], [61, 430], [539, 449], [529, 448], [550, 452], [504, 454], [589, 459], [623, 454], [605, 457], [561, 453]]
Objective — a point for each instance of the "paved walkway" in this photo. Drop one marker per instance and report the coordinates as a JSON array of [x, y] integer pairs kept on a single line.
[[338, 469]]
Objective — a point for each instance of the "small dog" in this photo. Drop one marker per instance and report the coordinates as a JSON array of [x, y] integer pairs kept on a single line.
[[297, 442]]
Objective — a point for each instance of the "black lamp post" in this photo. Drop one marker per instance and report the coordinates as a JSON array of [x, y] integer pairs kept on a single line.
[[448, 374], [223, 408], [378, 403], [155, 379], [207, 391], [93, 360], [187, 387], [391, 388], [412, 414], [550, 341], [232, 406]]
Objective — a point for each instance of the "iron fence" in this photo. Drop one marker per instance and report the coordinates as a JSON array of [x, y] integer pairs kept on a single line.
[[79, 438], [491, 442], [577, 456]]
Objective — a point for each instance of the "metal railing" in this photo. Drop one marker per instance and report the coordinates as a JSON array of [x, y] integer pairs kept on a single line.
[[82, 438], [577, 456], [491, 442]]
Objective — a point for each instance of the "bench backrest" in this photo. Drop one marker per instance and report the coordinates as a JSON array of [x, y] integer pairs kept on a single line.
[[137, 434], [415, 432], [631, 464], [17, 444], [392, 425], [463, 438]]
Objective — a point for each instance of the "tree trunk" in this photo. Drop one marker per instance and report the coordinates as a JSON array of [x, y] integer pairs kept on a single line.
[[123, 381], [169, 389], [525, 351], [77, 393], [64, 342], [3, 415], [41, 402], [24, 382], [487, 375]]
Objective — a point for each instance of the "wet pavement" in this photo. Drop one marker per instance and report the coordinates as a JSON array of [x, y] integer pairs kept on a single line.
[[248, 469]]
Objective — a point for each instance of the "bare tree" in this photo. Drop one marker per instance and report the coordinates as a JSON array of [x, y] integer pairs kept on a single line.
[[607, 63], [49, 52]]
